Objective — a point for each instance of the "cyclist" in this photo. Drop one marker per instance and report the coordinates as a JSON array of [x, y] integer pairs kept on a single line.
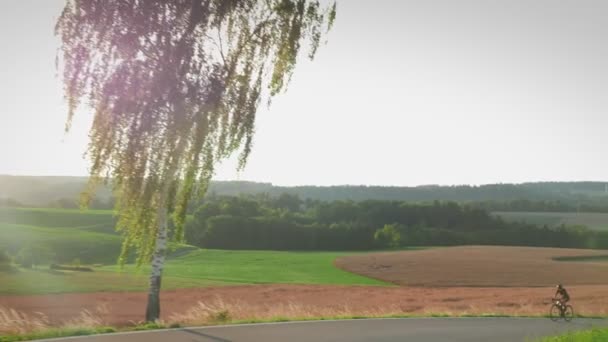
[[563, 298]]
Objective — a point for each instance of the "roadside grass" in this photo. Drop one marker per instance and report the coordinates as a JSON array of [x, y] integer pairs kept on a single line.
[[16, 326], [593, 335], [219, 311], [57, 333]]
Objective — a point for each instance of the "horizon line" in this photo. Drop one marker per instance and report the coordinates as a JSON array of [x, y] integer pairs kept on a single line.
[[346, 185]]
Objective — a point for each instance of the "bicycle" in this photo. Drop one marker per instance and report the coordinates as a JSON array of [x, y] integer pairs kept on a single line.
[[559, 310]]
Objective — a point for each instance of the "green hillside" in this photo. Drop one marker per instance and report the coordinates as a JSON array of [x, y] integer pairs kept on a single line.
[[198, 268], [89, 236], [92, 220], [68, 234]]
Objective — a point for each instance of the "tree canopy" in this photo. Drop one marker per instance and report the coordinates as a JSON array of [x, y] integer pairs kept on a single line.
[[266, 222], [174, 87]]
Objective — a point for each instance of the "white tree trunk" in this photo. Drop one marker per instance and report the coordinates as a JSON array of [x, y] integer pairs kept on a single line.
[[160, 248], [158, 263]]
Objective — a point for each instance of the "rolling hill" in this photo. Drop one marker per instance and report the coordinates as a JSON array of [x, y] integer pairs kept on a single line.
[[89, 236]]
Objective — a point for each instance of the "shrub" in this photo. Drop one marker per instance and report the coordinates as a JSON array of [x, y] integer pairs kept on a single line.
[[388, 236]]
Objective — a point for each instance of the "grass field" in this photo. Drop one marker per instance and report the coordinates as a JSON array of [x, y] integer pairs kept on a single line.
[[97, 220], [195, 269], [89, 236], [595, 221], [66, 244], [68, 234], [262, 267], [44, 281]]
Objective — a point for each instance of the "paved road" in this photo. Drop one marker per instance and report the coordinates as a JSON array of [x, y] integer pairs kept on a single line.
[[377, 330]]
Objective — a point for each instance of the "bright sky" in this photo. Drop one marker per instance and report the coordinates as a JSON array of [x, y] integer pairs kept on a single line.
[[405, 93]]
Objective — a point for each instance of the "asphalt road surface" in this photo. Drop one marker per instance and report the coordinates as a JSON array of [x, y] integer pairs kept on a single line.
[[377, 330]]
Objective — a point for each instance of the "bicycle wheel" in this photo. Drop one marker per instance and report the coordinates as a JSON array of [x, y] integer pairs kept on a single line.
[[555, 313], [568, 313]]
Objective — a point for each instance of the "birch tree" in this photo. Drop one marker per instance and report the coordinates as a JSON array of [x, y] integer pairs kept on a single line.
[[174, 87]]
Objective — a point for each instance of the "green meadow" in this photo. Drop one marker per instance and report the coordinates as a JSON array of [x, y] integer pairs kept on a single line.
[[89, 237]]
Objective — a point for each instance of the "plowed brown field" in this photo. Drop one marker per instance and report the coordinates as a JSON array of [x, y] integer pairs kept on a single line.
[[480, 266]]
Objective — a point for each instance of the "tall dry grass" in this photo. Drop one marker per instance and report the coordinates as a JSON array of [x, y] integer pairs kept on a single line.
[[89, 319], [13, 322], [220, 311]]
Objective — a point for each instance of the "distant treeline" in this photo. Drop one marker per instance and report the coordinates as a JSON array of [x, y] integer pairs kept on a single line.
[[551, 196], [596, 206], [287, 222], [62, 203], [520, 205]]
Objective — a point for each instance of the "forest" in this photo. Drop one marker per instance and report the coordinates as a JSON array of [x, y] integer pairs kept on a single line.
[[287, 222]]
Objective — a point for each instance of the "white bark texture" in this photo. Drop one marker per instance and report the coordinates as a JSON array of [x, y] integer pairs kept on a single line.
[[160, 248]]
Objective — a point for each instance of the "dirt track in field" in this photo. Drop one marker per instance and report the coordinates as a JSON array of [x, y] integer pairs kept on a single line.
[[307, 300], [480, 266]]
